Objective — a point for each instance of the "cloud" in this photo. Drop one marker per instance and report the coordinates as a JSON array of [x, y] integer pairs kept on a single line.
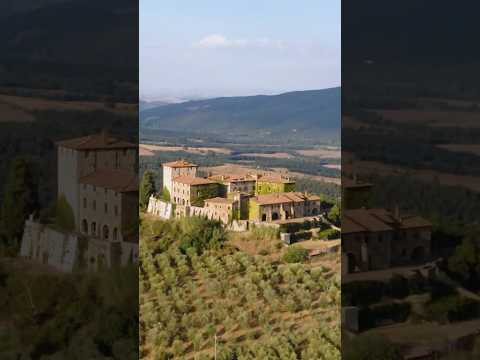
[[214, 41]]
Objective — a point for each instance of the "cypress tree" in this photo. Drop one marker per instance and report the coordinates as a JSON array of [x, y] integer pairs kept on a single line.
[[147, 188]]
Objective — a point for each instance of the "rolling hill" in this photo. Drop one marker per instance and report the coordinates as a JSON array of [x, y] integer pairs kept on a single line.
[[311, 111]]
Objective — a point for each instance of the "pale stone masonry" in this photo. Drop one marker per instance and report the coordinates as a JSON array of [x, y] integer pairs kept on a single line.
[[97, 175]]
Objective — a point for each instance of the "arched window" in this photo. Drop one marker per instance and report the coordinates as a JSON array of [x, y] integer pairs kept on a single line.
[[105, 232], [115, 234], [85, 226], [94, 228], [264, 217]]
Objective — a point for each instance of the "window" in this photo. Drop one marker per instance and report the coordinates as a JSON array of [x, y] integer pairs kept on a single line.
[[94, 205], [84, 203], [106, 208], [85, 226], [115, 234], [94, 229], [105, 232]]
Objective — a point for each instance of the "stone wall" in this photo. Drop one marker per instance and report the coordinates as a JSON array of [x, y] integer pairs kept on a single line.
[[49, 246], [68, 252], [160, 208]]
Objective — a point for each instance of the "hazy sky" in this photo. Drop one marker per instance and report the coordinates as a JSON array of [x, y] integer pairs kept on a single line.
[[213, 47]]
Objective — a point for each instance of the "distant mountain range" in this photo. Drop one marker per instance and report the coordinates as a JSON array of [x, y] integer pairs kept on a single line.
[[312, 112]]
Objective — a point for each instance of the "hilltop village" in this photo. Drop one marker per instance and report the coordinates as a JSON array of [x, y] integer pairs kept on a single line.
[[238, 201], [97, 207]]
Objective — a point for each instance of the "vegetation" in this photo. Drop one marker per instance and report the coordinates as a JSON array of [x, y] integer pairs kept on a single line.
[[295, 254], [49, 315], [371, 347], [20, 200], [194, 289], [147, 188], [64, 218]]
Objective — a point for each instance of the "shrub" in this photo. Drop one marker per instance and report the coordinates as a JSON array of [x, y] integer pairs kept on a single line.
[[295, 254], [362, 293], [398, 287]]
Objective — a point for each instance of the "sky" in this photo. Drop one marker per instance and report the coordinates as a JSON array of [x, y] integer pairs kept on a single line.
[[207, 48]]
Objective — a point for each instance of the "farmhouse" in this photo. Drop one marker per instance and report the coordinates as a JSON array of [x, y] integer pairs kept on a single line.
[[374, 239], [283, 206]]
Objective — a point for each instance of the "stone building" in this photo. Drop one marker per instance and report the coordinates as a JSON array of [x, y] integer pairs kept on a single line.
[[232, 183], [283, 206], [374, 239], [175, 169], [273, 184], [222, 209], [193, 191], [97, 176], [83, 156], [109, 202]]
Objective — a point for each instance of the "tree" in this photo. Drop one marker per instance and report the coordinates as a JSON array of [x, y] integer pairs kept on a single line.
[[166, 195], [64, 217], [370, 347], [334, 214], [147, 188], [295, 254], [465, 260], [20, 200]]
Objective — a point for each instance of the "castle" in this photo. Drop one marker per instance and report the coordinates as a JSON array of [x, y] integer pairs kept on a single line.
[[231, 198], [97, 176]]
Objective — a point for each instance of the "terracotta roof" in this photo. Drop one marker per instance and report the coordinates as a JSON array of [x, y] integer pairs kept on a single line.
[[220, 200], [117, 180], [179, 164], [231, 177], [363, 219], [375, 220], [192, 180], [96, 142], [281, 198]]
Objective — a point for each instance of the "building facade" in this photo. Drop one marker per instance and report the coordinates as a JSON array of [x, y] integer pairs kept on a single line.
[[283, 206], [175, 169]]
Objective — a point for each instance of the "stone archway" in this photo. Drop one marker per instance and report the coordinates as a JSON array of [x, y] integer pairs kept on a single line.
[[275, 216]]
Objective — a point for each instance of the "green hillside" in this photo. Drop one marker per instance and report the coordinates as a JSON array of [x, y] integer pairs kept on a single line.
[[312, 112]]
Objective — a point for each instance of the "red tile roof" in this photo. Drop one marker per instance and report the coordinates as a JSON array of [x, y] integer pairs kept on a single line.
[[117, 180], [285, 197], [375, 220], [220, 200], [96, 142], [191, 180], [179, 164]]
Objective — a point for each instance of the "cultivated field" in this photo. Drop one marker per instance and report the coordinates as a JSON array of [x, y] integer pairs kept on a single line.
[[32, 103], [437, 118], [375, 167]]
